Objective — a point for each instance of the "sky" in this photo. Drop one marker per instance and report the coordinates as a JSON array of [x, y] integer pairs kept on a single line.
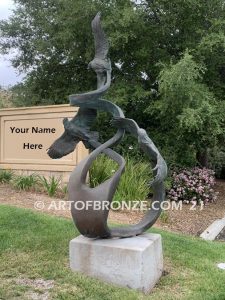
[[8, 75]]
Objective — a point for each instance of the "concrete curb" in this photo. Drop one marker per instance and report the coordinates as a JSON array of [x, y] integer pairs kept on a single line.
[[213, 230]]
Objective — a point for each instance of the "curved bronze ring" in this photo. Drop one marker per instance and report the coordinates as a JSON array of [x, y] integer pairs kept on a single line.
[[90, 221]]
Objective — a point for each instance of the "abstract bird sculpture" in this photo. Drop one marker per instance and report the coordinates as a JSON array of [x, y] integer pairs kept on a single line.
[[101, 63], [90, 221]]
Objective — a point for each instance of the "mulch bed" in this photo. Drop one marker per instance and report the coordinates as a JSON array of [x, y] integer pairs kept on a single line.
[[194, 222], [186, 221]]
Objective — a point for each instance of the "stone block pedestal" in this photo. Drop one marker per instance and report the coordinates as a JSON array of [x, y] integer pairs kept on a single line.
[[135, 262]]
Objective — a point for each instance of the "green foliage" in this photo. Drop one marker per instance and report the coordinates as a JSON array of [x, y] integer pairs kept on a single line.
[[65, 190], [178, 83], [55, 44], [134, 181], [6, 176], [164, 217], [50, 185], [101, 170], [45, 34], [171, 72], [188, 110], [23, 182], [217, 161], [5, 98]]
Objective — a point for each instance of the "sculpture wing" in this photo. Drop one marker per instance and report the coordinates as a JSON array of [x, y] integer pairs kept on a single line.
[[101, 42], [84, 118], [62, 146], [67, 142], [128, 124]]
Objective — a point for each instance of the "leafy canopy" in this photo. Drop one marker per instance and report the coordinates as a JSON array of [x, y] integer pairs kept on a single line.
[[168, 63]]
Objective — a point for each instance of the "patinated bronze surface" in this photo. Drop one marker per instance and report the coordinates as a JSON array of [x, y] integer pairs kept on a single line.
[[89, 219]]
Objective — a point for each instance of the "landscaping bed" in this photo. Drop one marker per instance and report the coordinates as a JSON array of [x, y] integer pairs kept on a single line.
[[187, 221], [194, 222]]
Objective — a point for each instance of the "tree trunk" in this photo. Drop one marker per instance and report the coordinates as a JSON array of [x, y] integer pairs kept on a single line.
[[202, 158]]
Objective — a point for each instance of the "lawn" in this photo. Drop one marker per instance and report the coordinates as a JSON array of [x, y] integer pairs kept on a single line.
[[35, 246]]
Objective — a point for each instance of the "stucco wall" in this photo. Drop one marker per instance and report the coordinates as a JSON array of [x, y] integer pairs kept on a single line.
[[26, 134]]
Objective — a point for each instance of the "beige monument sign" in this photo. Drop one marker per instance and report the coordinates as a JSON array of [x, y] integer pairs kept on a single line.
[[26, 134]]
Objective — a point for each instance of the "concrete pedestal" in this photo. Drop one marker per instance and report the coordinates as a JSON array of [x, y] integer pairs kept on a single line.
[[135, 262]]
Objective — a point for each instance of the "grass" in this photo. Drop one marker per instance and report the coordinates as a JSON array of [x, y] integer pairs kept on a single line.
[[33, 245]]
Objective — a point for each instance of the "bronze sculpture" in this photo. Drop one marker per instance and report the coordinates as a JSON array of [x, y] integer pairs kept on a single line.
[[92, 222]]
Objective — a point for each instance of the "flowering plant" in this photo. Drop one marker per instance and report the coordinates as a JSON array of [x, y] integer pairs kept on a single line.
[[193, 186]]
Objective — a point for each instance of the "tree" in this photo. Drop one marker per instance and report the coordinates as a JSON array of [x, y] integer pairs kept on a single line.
[[5, 98], [148, 39], [55, 44], [191, 118]]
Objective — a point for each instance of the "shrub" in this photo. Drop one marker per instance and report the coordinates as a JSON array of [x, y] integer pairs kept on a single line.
[[217, 162], [23, 182], [164, 217], [5, 98], [101, 170], [133, 183], [65, 190], [194, 185], [5, 176], [50, 185]]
